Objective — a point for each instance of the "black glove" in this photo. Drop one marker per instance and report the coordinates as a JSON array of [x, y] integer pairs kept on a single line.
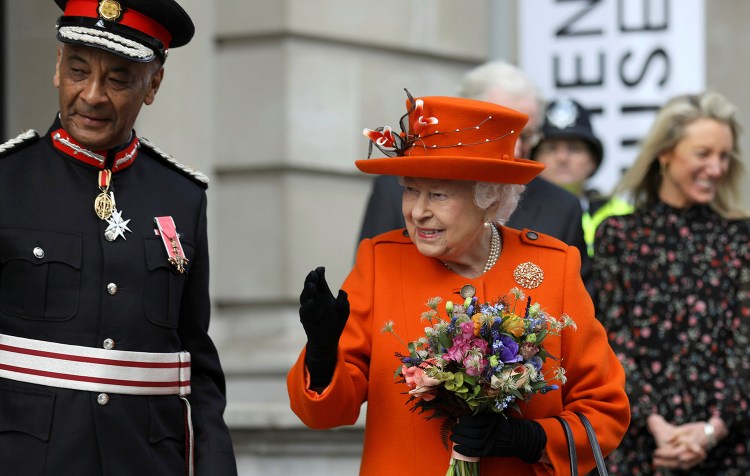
[[323, 318], [492, 434]]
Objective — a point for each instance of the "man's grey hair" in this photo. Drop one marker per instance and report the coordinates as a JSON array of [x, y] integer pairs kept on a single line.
[[499, 76]]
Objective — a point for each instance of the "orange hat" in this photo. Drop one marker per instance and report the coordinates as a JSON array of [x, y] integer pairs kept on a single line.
[[455, 139], [137, 30]]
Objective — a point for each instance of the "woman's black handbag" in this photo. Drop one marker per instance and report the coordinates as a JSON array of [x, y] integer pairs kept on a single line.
[[598, 457]]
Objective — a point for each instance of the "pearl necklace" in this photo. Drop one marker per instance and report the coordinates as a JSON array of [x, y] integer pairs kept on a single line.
[[494, 249], [495, 245]]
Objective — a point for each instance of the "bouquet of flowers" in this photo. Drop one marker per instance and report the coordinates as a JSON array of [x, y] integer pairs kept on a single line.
[[479, 358]]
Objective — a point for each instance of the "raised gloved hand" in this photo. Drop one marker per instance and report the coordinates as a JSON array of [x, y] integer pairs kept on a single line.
[[492, 434], [323, 318]]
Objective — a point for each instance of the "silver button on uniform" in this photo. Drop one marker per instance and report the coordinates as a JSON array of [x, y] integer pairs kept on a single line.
[[102, 399], [38, 252], [112, 288], [109, 344]]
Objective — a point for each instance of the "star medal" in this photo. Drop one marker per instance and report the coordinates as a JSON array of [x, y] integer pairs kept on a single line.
[[117, 226], [171, 239], [104, 204]]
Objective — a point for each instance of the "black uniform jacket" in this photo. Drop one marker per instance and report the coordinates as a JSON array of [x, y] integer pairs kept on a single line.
[[47, 201]]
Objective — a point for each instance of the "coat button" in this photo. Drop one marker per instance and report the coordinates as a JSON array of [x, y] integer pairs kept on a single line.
[[102, 399], [108, 344], [532, 235], [38, 253], [112, 288], [468, 291]]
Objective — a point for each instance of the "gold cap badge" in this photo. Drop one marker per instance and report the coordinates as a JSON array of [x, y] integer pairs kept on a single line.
[[109, 10], [528, 275]]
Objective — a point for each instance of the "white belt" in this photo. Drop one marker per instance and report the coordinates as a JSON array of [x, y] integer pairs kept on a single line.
[[93, 369]]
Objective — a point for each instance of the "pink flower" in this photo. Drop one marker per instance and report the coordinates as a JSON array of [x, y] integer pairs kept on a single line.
[[421, 384], [467, 329], [474, 364], [383, 139], [413, 374], [458, 350], [480, 345], [426, 396], [528, 350], [524, 375], [408, 373]]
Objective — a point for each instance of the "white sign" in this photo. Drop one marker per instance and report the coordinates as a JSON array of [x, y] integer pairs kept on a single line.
[[622, 59]]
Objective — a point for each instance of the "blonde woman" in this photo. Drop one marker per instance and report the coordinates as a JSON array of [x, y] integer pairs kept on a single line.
[[672, 283]]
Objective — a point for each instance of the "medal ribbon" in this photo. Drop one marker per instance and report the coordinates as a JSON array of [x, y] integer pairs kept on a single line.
[[171, 240], [105, 177]]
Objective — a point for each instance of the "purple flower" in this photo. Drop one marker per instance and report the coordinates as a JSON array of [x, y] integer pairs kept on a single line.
[[508, 351]]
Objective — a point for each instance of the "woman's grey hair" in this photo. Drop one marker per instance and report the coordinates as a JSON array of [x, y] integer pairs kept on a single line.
[[642, 181], [507, 195]]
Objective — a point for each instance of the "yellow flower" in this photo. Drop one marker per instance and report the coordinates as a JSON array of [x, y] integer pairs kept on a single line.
[[477, 320], [514, 325]]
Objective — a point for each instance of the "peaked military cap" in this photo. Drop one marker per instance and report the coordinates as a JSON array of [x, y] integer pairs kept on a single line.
[[137, 30]]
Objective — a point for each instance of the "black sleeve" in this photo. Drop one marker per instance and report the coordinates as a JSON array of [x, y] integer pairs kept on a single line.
[[383, 212]]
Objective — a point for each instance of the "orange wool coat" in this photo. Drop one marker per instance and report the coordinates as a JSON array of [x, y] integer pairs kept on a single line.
[[392, 281]]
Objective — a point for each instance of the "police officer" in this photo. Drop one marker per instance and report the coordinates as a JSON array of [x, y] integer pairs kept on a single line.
[[572, 153], [106, 366]]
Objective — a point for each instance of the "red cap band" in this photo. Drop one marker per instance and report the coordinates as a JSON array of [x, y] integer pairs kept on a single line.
[[131, 18]]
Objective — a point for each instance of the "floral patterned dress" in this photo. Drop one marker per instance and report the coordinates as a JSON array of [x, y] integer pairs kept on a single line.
[[672, 292]]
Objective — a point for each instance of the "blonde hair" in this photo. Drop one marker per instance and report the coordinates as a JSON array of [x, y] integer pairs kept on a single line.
[[642, 180]]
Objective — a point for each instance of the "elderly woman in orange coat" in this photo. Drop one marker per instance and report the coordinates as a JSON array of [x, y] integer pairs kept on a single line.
[[460, 186]]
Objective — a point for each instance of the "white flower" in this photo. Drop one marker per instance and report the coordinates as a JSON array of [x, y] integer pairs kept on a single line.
[[560, 375], [568, 321]]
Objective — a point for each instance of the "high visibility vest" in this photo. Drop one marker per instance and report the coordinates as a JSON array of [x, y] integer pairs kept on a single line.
[[614, 206]]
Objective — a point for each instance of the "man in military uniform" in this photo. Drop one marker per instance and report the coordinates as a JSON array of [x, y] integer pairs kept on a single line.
[[106, 366]]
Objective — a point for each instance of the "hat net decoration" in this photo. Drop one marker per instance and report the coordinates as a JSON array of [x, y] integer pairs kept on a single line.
[[399, 145]]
